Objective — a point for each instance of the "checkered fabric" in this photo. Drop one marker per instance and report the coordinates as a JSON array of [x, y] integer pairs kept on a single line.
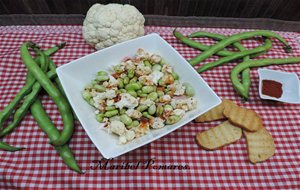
[[174, 161]]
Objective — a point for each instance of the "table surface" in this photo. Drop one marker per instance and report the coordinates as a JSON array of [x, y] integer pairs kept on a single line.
[[175, 161]]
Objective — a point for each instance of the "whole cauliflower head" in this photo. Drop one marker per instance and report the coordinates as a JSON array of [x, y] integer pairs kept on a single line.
[[106, 25]]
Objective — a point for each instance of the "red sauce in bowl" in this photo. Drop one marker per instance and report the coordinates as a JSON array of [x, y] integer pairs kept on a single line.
[[272, 88]]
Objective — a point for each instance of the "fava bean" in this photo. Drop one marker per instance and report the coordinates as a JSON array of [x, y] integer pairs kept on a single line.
[[159, 110], [147, 115], [152, 96], [126, 80], [86, 95], [102, 78], [134, 123], [100, 117], [99, 88], [189, 90], [117, 69], [147, 63], [132, 93], [130, 73], [102, 73], [122, 111], [133, 80], [142, 108], [168, 107], [160, 93], [148, 89], [156, 67], [125, 119], [152, 109], [111, 113], [173, 119], [133, 86], [121, 83], [175, 76], [163, 61], [109, 108]]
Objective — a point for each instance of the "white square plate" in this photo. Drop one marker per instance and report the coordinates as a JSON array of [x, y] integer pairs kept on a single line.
[[75, 75], [290, 85]]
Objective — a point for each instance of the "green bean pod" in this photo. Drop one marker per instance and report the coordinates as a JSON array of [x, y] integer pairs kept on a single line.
[[52, 132], [7, 111], [235, 38], [27, 101], [246, 73], [256, 63], [61, 102], [7, 147], [197, 45], [235, 56]]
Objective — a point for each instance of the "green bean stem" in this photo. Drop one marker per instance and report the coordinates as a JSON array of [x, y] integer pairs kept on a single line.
[[7, 111], [54, 93], [47, 127], [256, 63], [234, 38]]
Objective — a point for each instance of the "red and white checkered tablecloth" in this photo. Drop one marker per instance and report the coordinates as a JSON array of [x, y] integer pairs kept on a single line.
[[175, 161]]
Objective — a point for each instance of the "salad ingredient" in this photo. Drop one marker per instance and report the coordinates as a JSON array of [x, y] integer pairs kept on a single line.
[[106, 25], [153, 100]]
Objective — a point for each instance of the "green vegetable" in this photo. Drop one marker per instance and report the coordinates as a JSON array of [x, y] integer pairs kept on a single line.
[[54, 93], [173, 119], [7, 147], [235, 38], [8, 110], [47, 127]]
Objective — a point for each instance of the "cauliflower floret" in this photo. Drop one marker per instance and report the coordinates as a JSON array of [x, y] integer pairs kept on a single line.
[[129, 65], [146, 80], [167, 68], [155, 76], [126, 137], [154, 58], [127, 101], [165, 98], [142, 54], [119, 128], [184, 104], [178, 88], [113, 82], [134, 113], [157, 123], [99, 98], [105, 25], [179, 112], [147, 102], [110, 102], [141, 69]]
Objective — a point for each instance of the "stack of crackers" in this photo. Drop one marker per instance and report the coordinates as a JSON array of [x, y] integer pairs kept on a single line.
[[239, 120]]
